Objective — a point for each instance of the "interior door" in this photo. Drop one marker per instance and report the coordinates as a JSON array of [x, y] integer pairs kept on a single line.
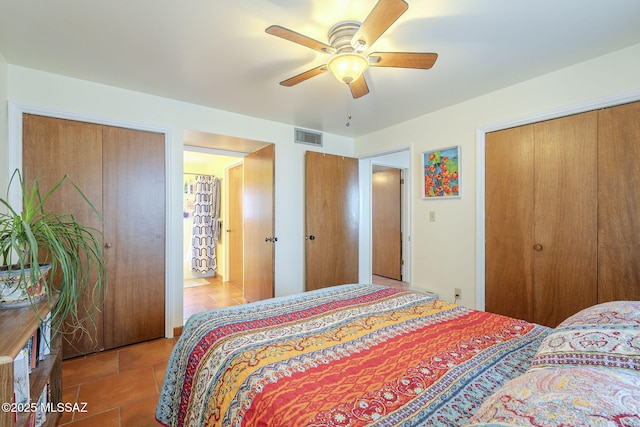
[[54, 147], [385, 220], [258, 206], [234, 228], [134, 215], [331, 220]]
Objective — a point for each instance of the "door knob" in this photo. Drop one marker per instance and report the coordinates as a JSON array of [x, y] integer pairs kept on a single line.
[[312, 237], [537, 247], [107, 245], [267, 239]]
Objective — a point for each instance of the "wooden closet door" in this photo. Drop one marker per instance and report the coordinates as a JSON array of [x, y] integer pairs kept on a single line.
[[52, 148], [619, 203], [332, 217], [566, 226], [385, 219], [509, 208], [134, 213]]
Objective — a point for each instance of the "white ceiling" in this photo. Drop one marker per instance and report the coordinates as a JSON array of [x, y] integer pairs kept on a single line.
[[216, 53]]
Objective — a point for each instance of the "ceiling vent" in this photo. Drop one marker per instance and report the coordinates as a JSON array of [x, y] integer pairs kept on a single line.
[[307, 137]]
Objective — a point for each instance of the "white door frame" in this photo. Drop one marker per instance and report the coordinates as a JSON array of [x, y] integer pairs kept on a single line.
[[366, 231], [16, 112]]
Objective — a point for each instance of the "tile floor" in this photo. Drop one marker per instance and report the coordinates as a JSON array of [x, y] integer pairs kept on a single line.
[[217, 293], [121, 386]]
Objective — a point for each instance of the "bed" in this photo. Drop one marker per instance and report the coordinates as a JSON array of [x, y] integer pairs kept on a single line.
[[357, 355], [350, 355]]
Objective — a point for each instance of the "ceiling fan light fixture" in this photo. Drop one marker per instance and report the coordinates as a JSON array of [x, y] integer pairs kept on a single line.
[[347, 67]]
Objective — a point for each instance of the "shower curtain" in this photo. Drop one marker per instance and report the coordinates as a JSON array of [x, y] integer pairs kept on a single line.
[[205, 224]]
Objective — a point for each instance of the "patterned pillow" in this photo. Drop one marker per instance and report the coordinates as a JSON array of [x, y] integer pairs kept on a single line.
[[605, 335], [578, 396]]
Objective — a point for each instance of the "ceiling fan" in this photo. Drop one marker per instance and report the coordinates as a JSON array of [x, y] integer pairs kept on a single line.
[[348, 42]]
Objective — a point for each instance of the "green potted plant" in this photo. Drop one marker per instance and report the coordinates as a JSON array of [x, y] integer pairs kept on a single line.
[[49, 256]]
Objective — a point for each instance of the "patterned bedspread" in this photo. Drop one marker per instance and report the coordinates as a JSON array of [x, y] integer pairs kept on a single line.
[[585, 373], [350, 355]]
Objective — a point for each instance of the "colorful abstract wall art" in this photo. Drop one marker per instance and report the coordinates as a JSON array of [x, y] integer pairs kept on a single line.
[[441, 173]]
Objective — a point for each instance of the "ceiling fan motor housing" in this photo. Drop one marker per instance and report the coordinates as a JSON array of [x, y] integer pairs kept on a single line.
[[341, 34]]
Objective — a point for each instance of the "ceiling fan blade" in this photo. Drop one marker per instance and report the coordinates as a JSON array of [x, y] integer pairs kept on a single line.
[[403, 59], [304, 76], [359, 87], [287, 34], [383, 14]]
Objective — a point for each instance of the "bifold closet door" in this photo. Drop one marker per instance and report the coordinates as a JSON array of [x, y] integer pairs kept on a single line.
[[134, 214], [619, 203], [541, 219], [509, 210], [565, 223], [121, 171], [52, 148]]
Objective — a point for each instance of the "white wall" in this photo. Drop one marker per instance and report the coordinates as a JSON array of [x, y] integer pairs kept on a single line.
[[36, 88], [4, 159], [444, 252]]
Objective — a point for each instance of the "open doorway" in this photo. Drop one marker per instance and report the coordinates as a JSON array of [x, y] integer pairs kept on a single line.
[[207, 211], [225, 159], [385, 232]]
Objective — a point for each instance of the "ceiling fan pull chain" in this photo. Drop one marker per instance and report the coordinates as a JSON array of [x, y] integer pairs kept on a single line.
[[348, 109]]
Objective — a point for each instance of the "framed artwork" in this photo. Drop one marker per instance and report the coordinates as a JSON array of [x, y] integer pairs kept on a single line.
[[441, 169]]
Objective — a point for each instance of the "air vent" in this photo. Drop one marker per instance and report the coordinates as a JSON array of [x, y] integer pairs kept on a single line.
[[307, 137]]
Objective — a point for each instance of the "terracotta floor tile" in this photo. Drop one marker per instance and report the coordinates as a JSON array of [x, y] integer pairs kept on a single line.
[[198, 291], [226, 302], [145, 354], [89, 368], [141, 413], [194, 306], [109, 418], [69, 395], [158, 370], [117, 390], [216, 294], [210, 302]]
